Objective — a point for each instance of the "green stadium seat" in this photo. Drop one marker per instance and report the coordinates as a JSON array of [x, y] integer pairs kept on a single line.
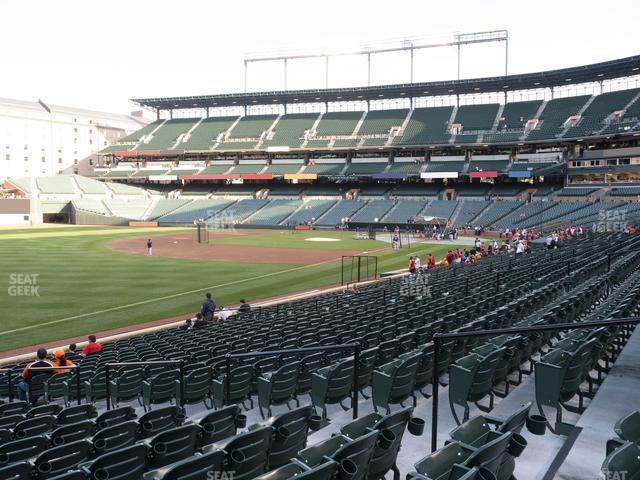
[[33, 426], [173, 445], [278, 387], [290, 434], [115, 437], [18, 470], [159, 388], [353, 457], [558, 376], [125, 464], [159, 420], [72, 432], [10, 421], [325, 471], [200, 467], [247, 454], [77, 413], [623, 462], [197, 388], [219, 424], [392, 426], [332, 384], [394, 382], [240, 384], [58, 460], [23, 449], [115, 416]]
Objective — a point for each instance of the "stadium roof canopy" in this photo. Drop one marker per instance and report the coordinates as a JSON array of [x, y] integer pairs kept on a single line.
[[596, 72]]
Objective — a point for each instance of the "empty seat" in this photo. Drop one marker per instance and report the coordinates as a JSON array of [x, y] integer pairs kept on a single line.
[[219, 424], [278, 387], [159, 388], [58, 460], [247, 453], [201, 467], [353, 457], [156, 421], [393, 383], [125, 464], [115, 437], [471, 379], [325, 471], [240, 387], [23, 449], [332, 384], [195, 388], [392, 428], [173, 445], [127, 385]]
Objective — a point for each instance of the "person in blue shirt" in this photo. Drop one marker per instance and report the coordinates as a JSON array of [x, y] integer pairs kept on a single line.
[[208, 308]]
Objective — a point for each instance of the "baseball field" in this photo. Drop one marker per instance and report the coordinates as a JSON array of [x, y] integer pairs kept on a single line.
[[64, 282]]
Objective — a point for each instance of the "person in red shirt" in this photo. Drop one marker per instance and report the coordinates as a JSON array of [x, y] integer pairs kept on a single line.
[[412, 265], [92, 347], [431, 262]]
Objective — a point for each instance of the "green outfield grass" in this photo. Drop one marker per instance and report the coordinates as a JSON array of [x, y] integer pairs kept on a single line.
[[85, 287]]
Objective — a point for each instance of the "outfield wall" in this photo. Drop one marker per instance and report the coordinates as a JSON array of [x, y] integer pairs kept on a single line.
[[15, 211]]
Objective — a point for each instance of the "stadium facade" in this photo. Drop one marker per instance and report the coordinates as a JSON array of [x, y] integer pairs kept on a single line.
[[40, 139]]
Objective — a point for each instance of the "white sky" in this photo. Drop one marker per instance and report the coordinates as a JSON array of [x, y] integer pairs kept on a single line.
[[98, 54]]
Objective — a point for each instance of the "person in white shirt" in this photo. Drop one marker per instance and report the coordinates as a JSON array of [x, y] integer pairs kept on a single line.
[[418, 264], [520, 248], [224, 313]]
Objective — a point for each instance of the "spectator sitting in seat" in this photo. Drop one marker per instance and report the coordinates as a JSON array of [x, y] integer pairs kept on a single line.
[[244, 306], [224, 313], [92, 347], [41, 362], [61, 361]]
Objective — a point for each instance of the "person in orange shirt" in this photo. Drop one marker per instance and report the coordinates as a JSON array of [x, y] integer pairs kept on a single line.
[[61, 361]]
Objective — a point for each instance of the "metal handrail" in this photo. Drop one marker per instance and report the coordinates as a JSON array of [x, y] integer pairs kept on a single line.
[[438, 337], [291, 351], [109, 365]]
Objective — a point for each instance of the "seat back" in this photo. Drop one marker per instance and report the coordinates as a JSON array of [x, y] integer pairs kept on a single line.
[[308, 365], [490, 455], [201, 467], [248, 453], [219, 424], [623, 462], [290, 435], [73, 432], [34, 426], [197, 385], [628, 427], [359, 452], [57, 460], [117, 436], [284, 382], [124, 464], [156, 421], [160, 387], [115, 416], [23, 449], [173, 445], [325, 471], [76, 413], [127, 384]]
